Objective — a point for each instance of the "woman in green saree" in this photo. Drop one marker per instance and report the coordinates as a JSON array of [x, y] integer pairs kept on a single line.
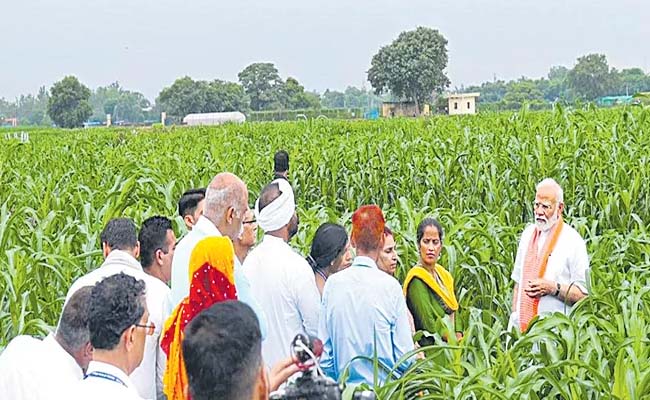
[[429, 287]]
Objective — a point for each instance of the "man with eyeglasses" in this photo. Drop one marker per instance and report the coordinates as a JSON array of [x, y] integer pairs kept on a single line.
[[551, 263], [247, 238], [121, 247], [119, 324]]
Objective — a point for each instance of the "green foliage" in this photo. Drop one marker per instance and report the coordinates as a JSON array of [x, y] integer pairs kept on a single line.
[[476, 174], [412, 67], [68, 104], [591, 78], [263, 85], [186, 96], [122, 104], [521, 92]]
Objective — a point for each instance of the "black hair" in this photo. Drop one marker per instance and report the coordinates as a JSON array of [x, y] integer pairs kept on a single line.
[[268, 194], [281, 161], [222, 350], [120, 234], [328, 243], [189, 201], [72, 329], [116, 303], [153, 236], [422, 226]]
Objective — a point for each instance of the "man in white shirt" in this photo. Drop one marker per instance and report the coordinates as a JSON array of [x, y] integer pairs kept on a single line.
[[551, 263], [226, 203], [118, 323], [281, 279], [157, 244], [32, 369], [121, 248]]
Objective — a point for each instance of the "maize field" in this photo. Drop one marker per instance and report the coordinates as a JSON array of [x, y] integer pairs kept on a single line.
[[476, 174]]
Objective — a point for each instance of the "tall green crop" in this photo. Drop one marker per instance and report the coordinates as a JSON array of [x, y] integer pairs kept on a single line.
[[477, 175]]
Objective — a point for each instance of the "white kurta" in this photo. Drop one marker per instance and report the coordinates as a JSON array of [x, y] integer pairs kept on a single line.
[[147, 378], [568, 263], [32, 369], [104, 382], [283, 283]]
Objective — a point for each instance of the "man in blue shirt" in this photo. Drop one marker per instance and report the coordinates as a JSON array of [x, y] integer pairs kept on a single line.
[[363, 309]]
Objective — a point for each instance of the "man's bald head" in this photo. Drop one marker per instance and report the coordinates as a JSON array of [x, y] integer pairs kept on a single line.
[[226, 201]]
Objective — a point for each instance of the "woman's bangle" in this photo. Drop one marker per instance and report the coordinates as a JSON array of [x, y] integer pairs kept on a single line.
[[557, 292]]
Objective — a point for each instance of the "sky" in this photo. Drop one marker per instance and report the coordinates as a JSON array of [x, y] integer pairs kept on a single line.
[[147, 44]]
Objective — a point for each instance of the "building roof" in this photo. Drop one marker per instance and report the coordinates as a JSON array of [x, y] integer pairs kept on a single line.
[[462, 95]]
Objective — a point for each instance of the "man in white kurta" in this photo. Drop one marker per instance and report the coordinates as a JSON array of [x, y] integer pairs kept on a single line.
[[119, 241], [45, 369], [281, 279], [564, 280]]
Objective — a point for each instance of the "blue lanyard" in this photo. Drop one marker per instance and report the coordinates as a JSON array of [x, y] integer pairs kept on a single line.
[[104, 375]]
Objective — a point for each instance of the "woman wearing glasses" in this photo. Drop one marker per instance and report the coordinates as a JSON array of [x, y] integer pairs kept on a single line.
[[429, 287]]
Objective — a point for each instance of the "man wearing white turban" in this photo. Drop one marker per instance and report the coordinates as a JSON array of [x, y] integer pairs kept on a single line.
[[281, 280]]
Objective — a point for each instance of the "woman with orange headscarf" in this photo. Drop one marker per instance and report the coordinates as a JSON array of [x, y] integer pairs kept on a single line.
[[211, 281]]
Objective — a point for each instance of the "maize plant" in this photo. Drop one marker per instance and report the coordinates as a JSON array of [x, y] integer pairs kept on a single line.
[[476, 174]]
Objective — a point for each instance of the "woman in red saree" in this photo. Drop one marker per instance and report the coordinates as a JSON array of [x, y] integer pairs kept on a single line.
[[211, 281]]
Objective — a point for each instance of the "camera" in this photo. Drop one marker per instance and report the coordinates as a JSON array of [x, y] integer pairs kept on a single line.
[[312, 384]]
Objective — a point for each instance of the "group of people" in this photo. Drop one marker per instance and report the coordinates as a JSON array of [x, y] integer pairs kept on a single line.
[[213, 315]]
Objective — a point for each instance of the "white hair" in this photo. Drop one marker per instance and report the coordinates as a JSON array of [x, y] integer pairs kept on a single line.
[[550, 182], [217, 201]]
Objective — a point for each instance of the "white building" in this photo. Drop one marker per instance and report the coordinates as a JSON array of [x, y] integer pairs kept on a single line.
[[462, 103], [214, 118]]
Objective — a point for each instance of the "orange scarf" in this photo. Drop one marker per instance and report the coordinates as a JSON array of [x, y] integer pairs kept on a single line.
[[211, 272], [534, 268]]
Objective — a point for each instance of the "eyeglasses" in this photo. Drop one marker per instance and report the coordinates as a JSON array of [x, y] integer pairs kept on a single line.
[[150, 328], [252, 221], [545, 206]]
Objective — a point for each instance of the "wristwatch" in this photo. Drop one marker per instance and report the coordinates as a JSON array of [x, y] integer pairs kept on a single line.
[[557, 292]]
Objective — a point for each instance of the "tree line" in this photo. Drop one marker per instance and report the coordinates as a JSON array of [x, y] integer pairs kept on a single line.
[[411, 68]]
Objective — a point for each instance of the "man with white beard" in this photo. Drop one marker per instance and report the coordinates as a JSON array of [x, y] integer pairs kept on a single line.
[[551, 263]]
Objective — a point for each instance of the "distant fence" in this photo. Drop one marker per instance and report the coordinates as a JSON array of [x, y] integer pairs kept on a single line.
[[23, 137], [292, 115]]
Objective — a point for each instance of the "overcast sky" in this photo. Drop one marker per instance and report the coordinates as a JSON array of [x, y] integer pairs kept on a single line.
[[147, 44]]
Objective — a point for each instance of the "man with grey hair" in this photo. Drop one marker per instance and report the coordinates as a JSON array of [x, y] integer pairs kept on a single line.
[[551, 263], [226, 202], [44, 369]]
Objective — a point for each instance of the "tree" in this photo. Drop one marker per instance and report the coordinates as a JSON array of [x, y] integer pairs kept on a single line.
[[68, 104], [631, 81], [590, 78], [187, 96], [333, 99], [226, 96], [411, 67], [263, 85], [295, 96], [523, 91], [184, 96]]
